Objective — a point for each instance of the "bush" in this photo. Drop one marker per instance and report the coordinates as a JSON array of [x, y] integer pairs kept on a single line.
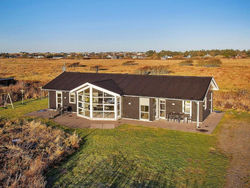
[[28, 149], [186, 63], [155, 70], [209, 63], [128, 63]]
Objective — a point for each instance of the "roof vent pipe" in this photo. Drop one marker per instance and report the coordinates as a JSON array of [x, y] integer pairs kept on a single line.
[[64, 67], [97, 69]]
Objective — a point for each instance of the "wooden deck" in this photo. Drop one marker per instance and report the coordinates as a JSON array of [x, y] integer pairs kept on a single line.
[[72, 120]]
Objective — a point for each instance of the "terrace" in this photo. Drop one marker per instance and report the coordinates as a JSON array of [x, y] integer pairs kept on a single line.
[[72, 120]]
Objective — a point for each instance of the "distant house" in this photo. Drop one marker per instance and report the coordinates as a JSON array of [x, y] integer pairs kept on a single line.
[[188, 56], [165, 57], [7, 81], [57, 57], [99, 96], [207, 56]]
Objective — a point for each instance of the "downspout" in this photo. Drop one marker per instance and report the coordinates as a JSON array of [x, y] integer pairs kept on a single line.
[[198, 114]]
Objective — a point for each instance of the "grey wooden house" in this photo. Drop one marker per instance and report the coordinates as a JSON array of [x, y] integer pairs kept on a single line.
[[98, 96]]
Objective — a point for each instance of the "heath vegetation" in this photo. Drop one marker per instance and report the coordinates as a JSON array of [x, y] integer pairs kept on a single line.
[[28, 148]]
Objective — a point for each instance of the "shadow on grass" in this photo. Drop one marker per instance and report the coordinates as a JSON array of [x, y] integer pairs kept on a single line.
[[116, 170], [53, 173]]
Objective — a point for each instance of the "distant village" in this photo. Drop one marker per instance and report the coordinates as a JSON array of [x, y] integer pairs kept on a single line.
[[151, 54]]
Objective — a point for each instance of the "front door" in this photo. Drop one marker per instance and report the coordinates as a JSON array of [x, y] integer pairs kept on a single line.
[[59, 101]]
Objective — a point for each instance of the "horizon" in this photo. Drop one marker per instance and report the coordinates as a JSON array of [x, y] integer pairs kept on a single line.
[[111, 26]]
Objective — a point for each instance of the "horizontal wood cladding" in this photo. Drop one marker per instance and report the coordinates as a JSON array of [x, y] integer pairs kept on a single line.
[[152, 109], [209, 101], [66, 103], [173, 106], [130, 107], [194, 111], [52, 99]]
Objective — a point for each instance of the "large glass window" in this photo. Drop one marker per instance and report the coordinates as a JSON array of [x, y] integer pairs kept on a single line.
[[103, 104], [84, 103]]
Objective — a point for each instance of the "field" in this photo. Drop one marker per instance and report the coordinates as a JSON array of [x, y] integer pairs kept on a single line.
[[136, 156], [233, 76]]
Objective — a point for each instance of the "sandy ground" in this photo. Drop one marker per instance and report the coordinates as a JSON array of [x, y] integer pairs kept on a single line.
[[234, 139]]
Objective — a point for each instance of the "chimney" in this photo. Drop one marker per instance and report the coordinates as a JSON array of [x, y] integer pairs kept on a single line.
[[64, 68], [97, 68]]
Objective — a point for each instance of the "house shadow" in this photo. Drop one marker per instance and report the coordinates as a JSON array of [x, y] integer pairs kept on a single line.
[[116, 170]]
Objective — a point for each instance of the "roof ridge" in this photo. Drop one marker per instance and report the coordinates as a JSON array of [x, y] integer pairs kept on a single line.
[[142, 75]]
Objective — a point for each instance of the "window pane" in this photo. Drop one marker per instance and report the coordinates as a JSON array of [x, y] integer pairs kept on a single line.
[[144, 108], [97, 100], [109, 100], [162, 113], [107, 95], [80, 97], [144, 115], [86, 99], [86, 106], [98, 107], [97, 93], [162, 106], [109, 115], [98, 114], [109, 107], [87, 113], [86, 92]]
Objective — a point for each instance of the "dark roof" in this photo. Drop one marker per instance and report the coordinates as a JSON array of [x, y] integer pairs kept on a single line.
[[176, 87]]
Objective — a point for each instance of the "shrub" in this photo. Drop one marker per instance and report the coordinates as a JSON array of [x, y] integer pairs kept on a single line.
[[155, 70], [28, 149], [209, 63], [128, 63], [186, 63]]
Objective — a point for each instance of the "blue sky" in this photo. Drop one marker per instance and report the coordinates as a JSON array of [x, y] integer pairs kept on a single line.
[[131, 25]]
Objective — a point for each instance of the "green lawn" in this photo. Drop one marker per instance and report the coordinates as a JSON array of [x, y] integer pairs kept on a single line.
[[21, 109], [135, 156]]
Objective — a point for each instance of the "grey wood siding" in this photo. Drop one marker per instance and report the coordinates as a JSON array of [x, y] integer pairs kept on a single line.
[[152, 109], [209, 101], [130, 107], [173, 106], [66, 102], [194, 111], [52, 99]]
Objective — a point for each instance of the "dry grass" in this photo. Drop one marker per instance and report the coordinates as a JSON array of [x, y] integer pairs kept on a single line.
[[29, 148], [232, 76]]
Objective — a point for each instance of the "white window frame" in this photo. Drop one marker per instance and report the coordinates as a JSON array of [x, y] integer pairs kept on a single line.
[[162, 110], [183, 107], [205, 103], [91, 87], [57, 92], [70, 93], [144, 111]]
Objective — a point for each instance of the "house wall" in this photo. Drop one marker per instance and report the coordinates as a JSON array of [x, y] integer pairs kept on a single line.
[[194, 111], [173, 106], [130, 107], [52, 100], [209, 101], [66, 102], [152, 109]]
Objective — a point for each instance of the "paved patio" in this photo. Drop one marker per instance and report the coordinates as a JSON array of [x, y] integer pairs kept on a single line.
[[71, 120]]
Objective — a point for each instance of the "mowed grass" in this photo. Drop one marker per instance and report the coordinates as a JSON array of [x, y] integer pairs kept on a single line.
[[137, 156], [134, 156], [20, 109]]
